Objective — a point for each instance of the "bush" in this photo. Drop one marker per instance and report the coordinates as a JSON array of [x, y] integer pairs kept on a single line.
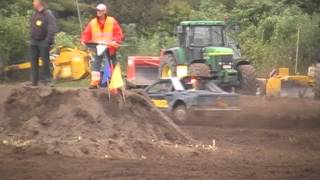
[[153, 44], [13, 38], [143, 45], [63, 39], [272, 43]]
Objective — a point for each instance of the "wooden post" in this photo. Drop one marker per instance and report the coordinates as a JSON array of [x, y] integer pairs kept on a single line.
[[109, 93], [79, 16], [297, 52], [123, 89]]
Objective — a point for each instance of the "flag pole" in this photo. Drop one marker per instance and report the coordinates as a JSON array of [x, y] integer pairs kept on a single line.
[[109, 94], [78, 12], [108, 83], [123, 94], [297, 51], [107, 63]]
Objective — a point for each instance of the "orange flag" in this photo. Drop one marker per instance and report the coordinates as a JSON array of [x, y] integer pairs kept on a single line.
[[116, 78]]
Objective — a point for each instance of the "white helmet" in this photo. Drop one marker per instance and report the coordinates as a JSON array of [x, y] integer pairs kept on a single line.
[[102, 7]]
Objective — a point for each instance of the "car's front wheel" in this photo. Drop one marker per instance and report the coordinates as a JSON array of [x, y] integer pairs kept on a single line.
[[180, 114]]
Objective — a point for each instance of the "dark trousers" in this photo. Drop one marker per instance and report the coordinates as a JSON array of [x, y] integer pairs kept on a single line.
[[98, 62], [40, 49]]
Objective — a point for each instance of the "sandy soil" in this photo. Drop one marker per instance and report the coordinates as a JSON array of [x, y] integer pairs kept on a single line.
[[269, 139]]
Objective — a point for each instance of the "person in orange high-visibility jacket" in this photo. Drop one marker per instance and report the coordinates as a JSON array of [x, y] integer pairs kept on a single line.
[[102, 29]]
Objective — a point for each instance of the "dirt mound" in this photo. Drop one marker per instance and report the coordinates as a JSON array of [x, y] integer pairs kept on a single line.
[[268, 113], [85, 123]]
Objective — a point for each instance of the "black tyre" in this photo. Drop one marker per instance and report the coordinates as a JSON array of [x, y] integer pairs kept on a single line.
[[248, 79], [168, 66], [199, 69], [180, 114], [317, 82]]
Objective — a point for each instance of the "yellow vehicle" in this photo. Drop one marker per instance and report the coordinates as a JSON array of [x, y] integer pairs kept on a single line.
[[68, 63], [71, 64], [317, 81], [274, 85]]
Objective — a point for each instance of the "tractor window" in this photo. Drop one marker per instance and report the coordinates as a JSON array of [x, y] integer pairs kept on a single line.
[[207, 36], [161, 87], [182, 37], [217, 35], [201, 36]]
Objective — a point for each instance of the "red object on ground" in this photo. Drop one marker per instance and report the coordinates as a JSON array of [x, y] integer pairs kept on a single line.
[[143, 70]]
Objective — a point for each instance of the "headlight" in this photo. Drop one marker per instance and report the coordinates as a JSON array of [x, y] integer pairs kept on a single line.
[[226, 66]]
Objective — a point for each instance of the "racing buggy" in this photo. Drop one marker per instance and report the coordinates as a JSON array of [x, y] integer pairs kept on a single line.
[[182, 98]]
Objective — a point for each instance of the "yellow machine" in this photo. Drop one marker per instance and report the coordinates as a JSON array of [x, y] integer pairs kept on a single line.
[[67, 63], [20, 66], [71, 64], [275, 82]]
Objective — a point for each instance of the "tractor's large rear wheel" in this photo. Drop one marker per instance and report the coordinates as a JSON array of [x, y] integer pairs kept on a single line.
[[168, 66], [199, 69], [317, 82], [248, 79]]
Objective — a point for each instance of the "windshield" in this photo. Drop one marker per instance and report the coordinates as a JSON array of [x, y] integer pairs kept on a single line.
[[207, 36]]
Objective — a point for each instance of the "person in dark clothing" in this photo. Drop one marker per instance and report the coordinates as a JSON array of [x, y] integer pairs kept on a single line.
[[43, 29]]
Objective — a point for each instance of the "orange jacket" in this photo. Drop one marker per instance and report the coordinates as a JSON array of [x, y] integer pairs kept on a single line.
[[106, 31]]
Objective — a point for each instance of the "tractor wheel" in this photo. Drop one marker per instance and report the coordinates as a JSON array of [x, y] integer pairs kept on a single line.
[[248, 79], [317, 82], [180, 114], [199, 69], [168, 66]]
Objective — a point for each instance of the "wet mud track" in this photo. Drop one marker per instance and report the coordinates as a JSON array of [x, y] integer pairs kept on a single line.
[[266, 145], [241, 154]]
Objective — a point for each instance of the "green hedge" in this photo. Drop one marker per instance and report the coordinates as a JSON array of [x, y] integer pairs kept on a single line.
[[13, 38]]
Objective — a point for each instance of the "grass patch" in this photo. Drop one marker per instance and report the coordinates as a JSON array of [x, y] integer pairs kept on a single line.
[[68, 83]]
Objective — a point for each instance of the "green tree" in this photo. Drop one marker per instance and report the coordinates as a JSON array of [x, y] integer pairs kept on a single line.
[[13, 38], [268, 28], [267, 34]]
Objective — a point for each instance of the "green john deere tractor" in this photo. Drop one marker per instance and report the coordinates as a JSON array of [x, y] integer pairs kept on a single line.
[[204, 50]]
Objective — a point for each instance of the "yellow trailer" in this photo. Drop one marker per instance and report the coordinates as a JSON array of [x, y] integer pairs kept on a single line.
[[274, 84], [68, 63]]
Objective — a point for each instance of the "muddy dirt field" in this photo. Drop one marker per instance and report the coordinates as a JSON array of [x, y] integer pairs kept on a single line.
[[268, 139]]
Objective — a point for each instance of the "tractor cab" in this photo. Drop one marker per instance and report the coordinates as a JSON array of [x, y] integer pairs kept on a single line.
[[196, 36], [206, 41]]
